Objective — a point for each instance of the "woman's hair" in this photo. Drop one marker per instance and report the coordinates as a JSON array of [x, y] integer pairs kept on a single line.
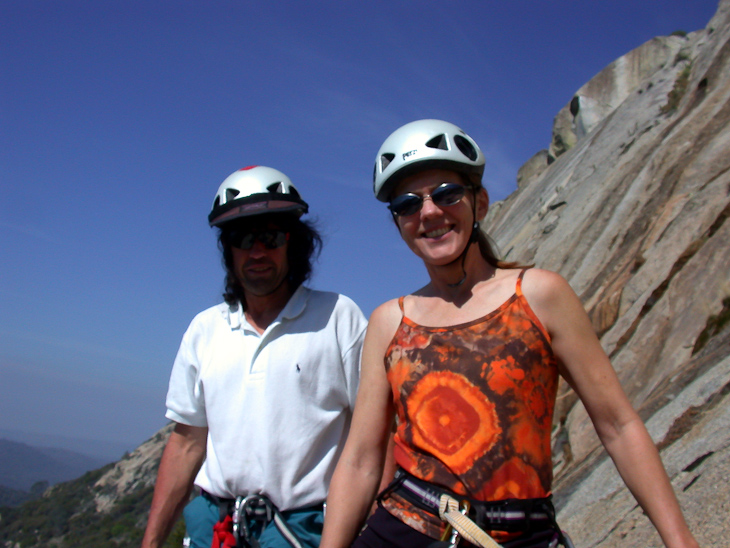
[[486, 248], [303, 248]]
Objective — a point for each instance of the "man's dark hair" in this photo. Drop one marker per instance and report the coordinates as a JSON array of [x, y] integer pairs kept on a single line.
[[304, 246]]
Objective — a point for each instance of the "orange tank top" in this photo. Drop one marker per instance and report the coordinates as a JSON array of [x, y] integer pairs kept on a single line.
[[474, 405]]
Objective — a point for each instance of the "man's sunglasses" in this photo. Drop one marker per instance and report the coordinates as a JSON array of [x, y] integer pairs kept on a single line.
[[244, 239], [446, 194]]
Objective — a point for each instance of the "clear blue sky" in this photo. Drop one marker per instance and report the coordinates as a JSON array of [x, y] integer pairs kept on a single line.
[[119, 119]]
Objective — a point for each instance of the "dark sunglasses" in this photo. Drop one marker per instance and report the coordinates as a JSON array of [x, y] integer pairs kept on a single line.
[[244, 239], [446, 194]]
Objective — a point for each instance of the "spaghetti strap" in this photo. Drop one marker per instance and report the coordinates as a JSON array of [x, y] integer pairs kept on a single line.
[[400, 304], [518, 285]]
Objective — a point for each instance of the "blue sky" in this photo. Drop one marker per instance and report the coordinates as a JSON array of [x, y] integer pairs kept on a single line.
[[118, 121]]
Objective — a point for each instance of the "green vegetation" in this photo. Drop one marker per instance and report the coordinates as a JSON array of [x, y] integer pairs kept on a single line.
[[13, 497], [175, 540], [678, 91], [66, 517]]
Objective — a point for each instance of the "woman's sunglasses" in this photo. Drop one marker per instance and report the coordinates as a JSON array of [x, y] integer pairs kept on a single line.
[[244, 239], [446, 194]]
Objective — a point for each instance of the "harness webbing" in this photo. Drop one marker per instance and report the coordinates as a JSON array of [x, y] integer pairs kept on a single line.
[[469, 517]]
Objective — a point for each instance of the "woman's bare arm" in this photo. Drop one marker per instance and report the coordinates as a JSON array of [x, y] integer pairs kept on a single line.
[[360, 468], [586, 367]]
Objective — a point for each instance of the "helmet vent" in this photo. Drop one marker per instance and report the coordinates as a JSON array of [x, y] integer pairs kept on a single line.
[[231, 194], [439, 142], [276, 188], [466, 147], [385, 160]]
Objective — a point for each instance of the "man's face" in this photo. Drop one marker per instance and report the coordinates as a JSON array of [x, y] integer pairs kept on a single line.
[[263, 268]]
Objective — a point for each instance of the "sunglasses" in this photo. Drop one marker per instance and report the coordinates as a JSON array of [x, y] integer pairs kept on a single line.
[[271, 238], [446, 194]]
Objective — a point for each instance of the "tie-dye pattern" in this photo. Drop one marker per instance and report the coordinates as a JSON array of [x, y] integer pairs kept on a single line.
[[474, 406]]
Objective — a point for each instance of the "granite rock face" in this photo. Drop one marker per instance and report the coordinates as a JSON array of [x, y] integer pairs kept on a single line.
[[631, 205], [611, 87], [132, 473]]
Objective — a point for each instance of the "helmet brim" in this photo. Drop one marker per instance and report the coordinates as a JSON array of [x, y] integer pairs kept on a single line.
[[257, 204], [474, 173]]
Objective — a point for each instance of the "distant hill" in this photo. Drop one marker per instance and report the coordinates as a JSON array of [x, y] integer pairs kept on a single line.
[[22, 465], [107, 450]]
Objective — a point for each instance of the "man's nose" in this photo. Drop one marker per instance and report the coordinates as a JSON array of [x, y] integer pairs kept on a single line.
[[258, 249]]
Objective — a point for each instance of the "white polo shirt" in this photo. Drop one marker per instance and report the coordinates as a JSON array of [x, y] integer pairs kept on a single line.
[[277, 405]]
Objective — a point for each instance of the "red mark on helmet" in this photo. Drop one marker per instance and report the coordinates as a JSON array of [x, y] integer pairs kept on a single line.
[[247, 168]]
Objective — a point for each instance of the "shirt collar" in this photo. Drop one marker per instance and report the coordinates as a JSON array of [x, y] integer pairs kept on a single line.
[[296, 304], [293, 308]]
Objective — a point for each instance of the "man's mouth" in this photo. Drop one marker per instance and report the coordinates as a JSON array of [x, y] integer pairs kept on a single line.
[[258, 268]]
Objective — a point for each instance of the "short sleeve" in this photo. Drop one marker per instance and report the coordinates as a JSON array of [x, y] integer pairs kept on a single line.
[[353, 325], [185, 399]]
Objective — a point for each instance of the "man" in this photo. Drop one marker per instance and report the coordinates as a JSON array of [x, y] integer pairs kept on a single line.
[[263, 384]]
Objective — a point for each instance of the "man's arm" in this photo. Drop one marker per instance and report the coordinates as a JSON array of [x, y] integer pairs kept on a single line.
[[180, 462]]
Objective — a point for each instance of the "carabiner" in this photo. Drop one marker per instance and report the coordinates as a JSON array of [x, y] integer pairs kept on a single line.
[[236, 516]]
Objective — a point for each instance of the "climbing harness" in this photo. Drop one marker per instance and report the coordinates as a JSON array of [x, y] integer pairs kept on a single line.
[[242, 519], [468, 518]]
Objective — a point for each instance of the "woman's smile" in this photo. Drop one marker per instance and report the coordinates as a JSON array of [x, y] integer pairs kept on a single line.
[[438, 232]]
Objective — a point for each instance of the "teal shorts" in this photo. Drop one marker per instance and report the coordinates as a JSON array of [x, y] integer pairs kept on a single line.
[[201, 514]]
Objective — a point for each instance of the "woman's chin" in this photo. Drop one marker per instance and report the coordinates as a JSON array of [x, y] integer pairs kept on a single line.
[[440, 260]]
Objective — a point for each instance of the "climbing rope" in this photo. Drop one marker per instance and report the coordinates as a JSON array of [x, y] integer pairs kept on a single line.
[[462, 525]]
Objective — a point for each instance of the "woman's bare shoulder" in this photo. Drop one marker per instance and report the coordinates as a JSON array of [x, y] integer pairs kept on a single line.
[[385, 310], [385, 319], [544, 285], [551, 297], [558, 307]]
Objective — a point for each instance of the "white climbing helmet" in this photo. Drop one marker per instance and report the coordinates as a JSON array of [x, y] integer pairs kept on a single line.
[[425, 144], [255, 190]]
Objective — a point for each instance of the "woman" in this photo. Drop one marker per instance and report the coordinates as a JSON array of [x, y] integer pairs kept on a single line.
[[468, 365]]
